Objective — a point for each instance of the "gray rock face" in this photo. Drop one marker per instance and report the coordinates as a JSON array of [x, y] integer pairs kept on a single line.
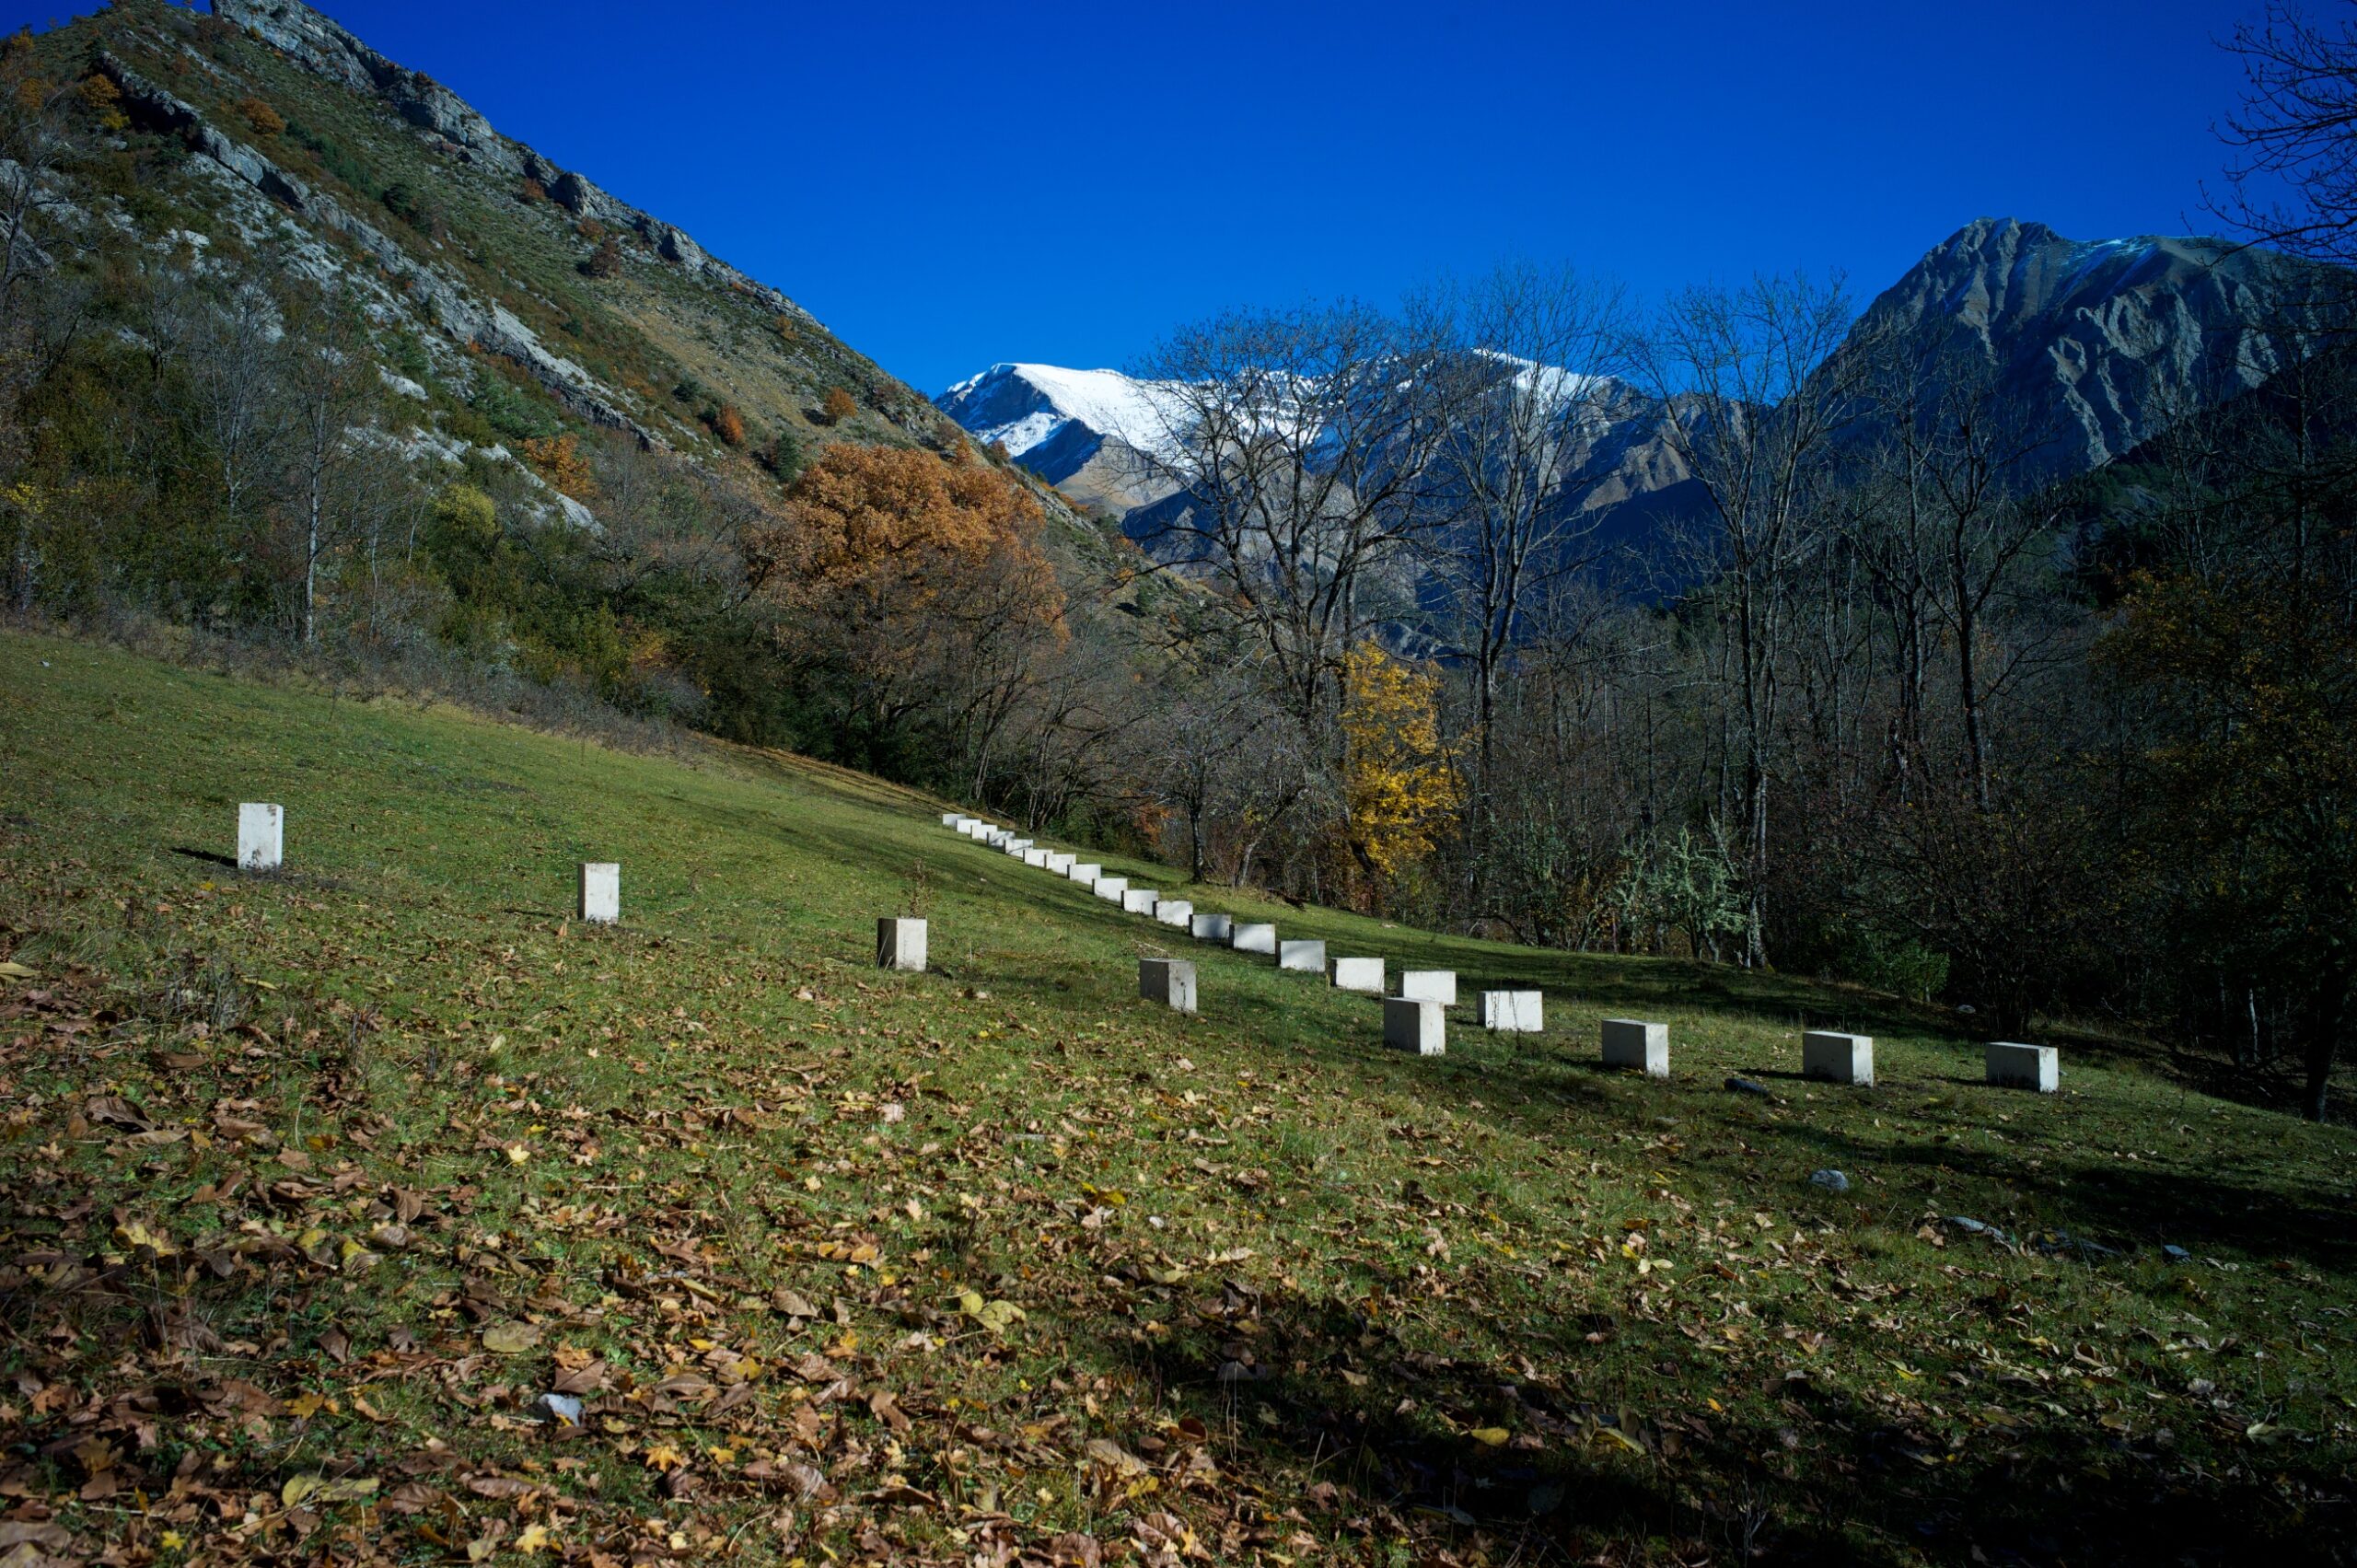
[[2098, 345], [2109, 341], [465, 315], [326, 48]]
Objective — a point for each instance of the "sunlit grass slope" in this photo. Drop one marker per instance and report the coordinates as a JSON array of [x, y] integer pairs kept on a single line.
[[340, 1170]]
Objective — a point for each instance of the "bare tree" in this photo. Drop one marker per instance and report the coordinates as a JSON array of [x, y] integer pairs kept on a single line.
[[1756, 395], [1538, 352], [234, 364], [331, 386], [2296, 126], [1301, 447]]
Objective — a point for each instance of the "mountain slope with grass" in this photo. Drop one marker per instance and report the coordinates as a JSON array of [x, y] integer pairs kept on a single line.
[[375, 1209], [304, 144]]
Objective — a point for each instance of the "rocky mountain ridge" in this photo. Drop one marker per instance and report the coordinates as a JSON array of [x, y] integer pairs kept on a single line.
[[2101, 343]]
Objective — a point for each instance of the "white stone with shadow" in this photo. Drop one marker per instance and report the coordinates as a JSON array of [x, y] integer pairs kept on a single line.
[[1210, 928], [601, 892], [1838, 1058], [1111, 888], [1256, 937], [1358, 974], [1428, 985], [1513, 1012], [1415, 1023], [1309, 956], [1175, 911], [900, 945], [2038, 1067], [1631, 1042], [262, 836], [1170, 981], [1139, 901]]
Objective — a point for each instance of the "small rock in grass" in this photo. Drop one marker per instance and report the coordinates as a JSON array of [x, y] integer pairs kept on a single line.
[[2176, 1254], [564, 1409], [1831, 1180], [1745, 1087]]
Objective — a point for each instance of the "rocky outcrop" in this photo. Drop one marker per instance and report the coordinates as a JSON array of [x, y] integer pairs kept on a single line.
[[2106, 341], [307, 36], [488, 325], [319, 45]]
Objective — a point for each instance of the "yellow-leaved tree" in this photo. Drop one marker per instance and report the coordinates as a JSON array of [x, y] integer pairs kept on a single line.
[[1400, 783]]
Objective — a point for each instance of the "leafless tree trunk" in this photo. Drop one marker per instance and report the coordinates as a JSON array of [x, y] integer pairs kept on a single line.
[[1757, 394], [1537, 357]]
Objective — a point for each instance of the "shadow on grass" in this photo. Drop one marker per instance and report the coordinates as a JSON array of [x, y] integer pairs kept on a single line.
[[2127, 1206], [1795, 1472]]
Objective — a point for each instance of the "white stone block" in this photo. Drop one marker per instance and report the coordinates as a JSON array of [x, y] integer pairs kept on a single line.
[[951, 819], [1429, 985], [1085, 872], [1413, 1024], [1111, 888], [601, 891], [1515, 1012], [1036, 857], [262, 836], [1257, 937], [1017, 846], [1139, 901], [1844, 1059], [1059, 864], [1359, 974], [1306, 956], [2035, 1067], [1630, 1042], [1209, 927], [1175, 911], [900, 945], [1170, 981]]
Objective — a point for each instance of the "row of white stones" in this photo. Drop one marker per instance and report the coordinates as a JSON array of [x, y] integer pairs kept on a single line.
[[1414, 1016]]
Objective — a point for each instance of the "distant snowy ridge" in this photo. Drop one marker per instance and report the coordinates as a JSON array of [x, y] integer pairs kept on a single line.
[[1030, 407]]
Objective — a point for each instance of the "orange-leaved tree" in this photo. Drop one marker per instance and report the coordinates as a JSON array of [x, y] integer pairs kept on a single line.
[[915, 592]]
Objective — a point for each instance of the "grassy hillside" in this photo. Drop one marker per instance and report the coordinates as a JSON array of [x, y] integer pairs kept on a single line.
[[317, 1183]]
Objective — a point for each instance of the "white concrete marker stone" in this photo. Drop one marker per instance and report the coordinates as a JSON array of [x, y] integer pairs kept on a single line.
[[1411, 1022], [1059, 864], [262, 836], [1359, 974], [1844, 1059], [1036, 857], [1209, 927], [1111, 888], [951, 819], [601, 891], [1170, 981], [2024, 1066], [1086, 873], [1139, 901], [1429, 985], [1306, 956], [1258, 937], [1630, 1042], [1016, 846], [1516, 1012], [900, 945], [1175, 911]]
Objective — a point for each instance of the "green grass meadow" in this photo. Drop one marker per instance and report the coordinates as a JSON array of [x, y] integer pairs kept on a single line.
[[317, 1183]]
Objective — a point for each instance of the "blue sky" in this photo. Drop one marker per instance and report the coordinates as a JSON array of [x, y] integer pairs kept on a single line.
[[948, 186]]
